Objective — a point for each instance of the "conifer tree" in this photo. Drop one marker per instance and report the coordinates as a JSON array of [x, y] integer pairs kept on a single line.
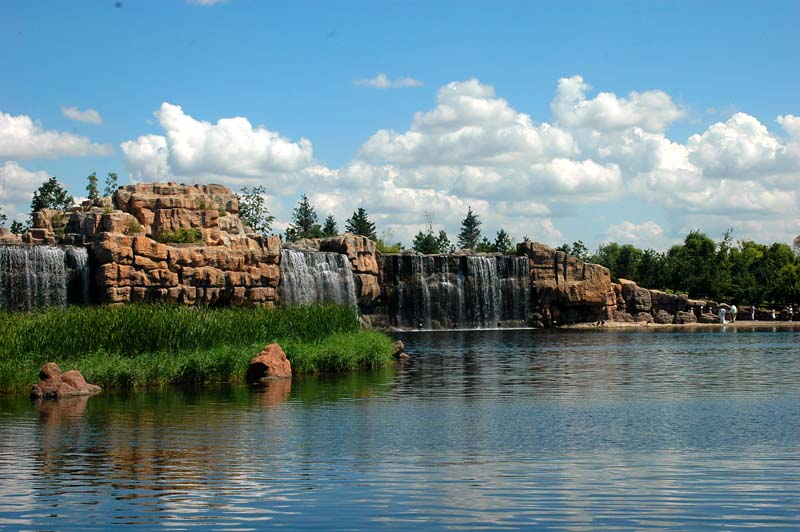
[[360, 224], [470, 233], [91, 188], [305, 222], [503, 243], [51, 195], [330, 228]]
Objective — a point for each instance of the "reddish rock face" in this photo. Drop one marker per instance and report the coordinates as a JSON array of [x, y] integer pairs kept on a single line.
[[54, 384], [271, 363], [575, 290]]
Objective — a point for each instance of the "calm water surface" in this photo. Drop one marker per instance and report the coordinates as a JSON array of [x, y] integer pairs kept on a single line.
[[479, 429]]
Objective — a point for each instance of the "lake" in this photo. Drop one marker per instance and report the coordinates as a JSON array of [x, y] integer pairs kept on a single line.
[[478, 429]]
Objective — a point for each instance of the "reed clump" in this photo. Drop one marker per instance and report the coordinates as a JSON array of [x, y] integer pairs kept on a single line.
[[145, 345]]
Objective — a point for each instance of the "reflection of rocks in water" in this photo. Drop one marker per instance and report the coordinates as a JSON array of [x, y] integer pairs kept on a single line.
[[52, 412], [273, 392]]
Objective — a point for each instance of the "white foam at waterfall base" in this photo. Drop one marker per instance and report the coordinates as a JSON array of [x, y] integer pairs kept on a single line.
[[316, 277]]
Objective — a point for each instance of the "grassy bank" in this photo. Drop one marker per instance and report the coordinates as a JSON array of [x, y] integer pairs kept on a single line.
[[148, 345]]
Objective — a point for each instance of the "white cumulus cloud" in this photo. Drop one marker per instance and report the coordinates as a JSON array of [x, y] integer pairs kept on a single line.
[[22, 138], [382, 81], [630, 232], [16, 188], [232, 150], [89, 116]]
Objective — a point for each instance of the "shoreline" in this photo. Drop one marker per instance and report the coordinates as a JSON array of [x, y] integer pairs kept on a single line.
[[745, 324]]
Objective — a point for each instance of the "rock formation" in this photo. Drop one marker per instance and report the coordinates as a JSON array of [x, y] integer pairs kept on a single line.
[[565, 289], [271, 363], [53, 384]]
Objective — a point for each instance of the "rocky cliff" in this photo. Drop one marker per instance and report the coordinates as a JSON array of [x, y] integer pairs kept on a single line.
[[187, 244]]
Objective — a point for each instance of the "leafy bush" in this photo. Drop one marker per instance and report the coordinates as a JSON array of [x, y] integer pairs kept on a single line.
[[181, 236]]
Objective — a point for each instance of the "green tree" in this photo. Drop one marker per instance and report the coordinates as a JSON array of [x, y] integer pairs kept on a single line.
[[360, 224], [253, 209], [330, 228], [112, 183], [18, 227], [91, 187], [431, 244], [484, 246], [503, 243], [579, 250], [470, 233], [305, 222], [51, 195]]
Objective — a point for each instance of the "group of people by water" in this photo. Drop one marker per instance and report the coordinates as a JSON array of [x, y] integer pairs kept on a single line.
[[729, 315]]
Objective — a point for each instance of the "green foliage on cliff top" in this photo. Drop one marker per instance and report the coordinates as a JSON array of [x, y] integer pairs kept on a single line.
[[146, 345]]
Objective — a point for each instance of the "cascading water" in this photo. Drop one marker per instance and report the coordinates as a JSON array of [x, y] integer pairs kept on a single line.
[[448, 291], [316, 277], [42, 276]]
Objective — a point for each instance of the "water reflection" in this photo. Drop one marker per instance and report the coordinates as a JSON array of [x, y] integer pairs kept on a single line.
[[509, 429]]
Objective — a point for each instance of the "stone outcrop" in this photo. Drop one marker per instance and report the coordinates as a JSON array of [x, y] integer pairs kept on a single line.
[[54, 384], [568, 290], [271, 363], [227, 265]]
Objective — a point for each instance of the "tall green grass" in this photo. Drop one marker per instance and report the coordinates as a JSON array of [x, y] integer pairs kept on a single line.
[[146, 345]]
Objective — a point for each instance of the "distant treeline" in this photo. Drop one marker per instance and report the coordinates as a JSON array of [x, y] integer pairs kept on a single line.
[[744, 272]]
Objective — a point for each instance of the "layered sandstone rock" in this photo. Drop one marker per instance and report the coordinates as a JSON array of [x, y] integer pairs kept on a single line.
[[568, 290], [54, 384], [228, 266]]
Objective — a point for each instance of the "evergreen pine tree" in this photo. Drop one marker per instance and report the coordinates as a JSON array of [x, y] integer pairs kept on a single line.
[[306, 224], [18, 227], [51, 195], [111, 184], [330, 228], [360, 224], [91, 188], [503, 243], [470, 233]]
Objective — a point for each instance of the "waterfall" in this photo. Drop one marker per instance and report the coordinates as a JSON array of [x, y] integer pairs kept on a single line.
[[316, 277], [448, 291], [42, 276]]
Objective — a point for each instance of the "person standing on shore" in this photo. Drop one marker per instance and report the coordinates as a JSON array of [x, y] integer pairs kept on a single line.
[[734, 311], [773, 314], [790, 313], [752, 312], [721, 315]]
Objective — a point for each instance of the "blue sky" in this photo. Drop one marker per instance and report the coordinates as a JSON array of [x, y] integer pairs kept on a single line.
[[621, 168]]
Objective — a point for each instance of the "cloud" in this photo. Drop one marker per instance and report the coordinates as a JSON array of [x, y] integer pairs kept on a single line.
[[146, 158], [22, 138], [382, 81], [473, 148], [205, 2], [629, 232], [16, 188], [231, 151], [651, 110], [89, 116]]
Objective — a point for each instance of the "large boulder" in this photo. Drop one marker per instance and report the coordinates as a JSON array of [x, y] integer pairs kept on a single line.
[[271, 363], [54, 384], [637, 299], [561, 284]]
